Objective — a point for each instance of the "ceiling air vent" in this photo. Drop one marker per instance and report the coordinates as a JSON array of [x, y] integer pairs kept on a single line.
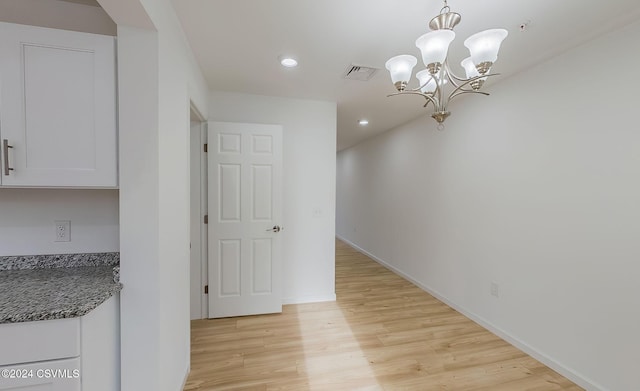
[[357, 72]]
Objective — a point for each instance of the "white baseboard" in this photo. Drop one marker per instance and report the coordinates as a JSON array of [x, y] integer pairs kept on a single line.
[[309, 299], [347, 241], [570, 374]]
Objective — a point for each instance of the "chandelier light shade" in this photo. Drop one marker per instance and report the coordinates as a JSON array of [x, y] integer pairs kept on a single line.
[[484, 47], [400, 68], [472, 74], [427, 82], [434, 47], [469, 69]]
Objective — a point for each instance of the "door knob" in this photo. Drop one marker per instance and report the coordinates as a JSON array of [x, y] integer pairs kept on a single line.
[[276, 228]]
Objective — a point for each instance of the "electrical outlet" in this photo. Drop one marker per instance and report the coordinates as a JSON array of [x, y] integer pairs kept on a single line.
[[63, 230], [495, 289]]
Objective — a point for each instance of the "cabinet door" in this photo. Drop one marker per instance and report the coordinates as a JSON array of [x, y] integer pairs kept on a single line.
[[100, 340], [57, 107], [58, 375]]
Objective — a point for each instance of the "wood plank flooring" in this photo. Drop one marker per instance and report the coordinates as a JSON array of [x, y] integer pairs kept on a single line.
[[382, 333]]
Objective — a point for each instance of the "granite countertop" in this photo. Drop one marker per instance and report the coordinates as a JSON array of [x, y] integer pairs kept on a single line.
[[46, 290]]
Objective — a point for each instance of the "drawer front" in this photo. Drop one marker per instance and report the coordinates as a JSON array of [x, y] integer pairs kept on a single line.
[[58, 375], [38, 341]]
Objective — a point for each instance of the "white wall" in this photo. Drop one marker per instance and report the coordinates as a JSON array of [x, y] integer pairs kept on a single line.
[[180, 82], [158, 76], [57, 15], [28, 215], [309, 143], [139, 248], [535, 188]]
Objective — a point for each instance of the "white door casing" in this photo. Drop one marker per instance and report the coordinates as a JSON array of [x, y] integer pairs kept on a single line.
[[197, 222], [204, 231], [245, 204], [198, 259]]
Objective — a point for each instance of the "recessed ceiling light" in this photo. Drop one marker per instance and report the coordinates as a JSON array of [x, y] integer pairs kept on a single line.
[[288, 61], [363, 122]]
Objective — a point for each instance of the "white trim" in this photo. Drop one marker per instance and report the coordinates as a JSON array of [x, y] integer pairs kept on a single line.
[[194, 110], [308, 299], [204, 228], [570, 374], [186, 376], [195, 222]]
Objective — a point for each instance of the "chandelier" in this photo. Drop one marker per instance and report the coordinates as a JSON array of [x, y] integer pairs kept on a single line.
[[434, 46]]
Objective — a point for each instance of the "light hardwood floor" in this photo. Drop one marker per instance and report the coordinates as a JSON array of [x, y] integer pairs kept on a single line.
[[382, 333]]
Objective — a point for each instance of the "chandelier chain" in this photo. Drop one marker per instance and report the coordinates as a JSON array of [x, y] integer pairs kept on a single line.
[[445, 9]]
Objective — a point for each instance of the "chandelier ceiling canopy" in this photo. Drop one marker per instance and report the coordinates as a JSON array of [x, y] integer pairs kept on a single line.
[[434, 46]]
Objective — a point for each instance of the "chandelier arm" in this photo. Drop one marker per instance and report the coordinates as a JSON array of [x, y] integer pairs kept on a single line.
[[452, 76], [467, 81], [440, 91], [417, 90], [455, 77], [423, 85], [431, 99], [460, 92], [453, 80], [428, 97], [430, 78]]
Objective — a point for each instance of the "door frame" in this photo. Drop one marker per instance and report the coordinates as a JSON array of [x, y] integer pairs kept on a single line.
[[199, 302]]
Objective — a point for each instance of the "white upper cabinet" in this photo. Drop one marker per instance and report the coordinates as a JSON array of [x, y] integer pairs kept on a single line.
[[57, 108]]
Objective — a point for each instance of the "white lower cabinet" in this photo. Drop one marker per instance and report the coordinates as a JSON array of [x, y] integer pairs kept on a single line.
[[71, 354], [58, 375], [100, 347]]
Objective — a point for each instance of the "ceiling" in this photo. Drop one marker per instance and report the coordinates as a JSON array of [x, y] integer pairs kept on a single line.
[[237, 44]]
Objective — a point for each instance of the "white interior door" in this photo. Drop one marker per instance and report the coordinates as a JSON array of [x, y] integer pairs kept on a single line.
[[245, 215]]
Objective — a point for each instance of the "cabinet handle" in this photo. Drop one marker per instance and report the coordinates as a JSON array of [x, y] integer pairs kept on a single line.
[[5, 154]]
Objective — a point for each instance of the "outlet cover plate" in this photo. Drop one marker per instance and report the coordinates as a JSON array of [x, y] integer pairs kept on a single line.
[[63, 231]]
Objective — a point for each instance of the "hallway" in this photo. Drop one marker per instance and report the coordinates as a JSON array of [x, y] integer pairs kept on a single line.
[[382, 333]]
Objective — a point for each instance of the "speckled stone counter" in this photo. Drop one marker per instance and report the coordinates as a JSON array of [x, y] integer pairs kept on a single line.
[[58, 260], [116, 273], [52, 291]]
